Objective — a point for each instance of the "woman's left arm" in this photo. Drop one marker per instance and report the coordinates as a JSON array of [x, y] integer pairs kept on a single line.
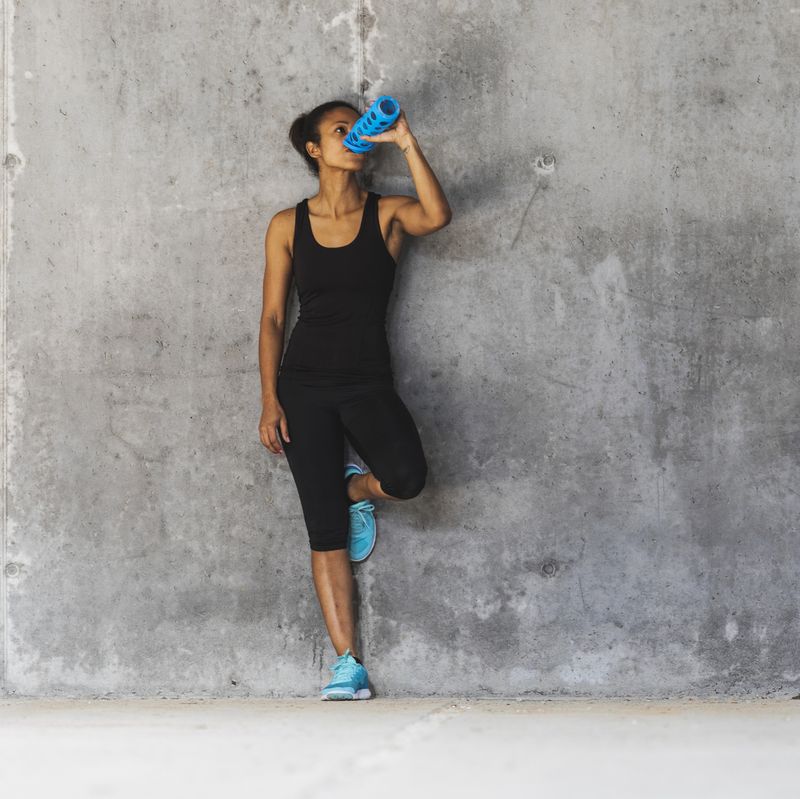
[[431, 211]]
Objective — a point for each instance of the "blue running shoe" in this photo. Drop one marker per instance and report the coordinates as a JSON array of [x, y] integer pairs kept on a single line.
[[363, 530], [349, 679]]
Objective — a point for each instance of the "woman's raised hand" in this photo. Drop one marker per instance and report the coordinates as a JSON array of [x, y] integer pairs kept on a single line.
[[398, 133]]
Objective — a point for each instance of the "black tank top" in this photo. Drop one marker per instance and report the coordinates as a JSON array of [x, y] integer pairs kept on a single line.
[[340, 334]]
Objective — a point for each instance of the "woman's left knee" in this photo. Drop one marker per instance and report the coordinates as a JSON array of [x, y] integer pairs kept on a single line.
[[405, 485]]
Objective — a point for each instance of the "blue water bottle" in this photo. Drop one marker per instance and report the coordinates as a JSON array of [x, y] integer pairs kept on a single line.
[[379, 116]]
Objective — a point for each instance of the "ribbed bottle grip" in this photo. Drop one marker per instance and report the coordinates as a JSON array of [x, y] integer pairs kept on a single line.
[[379, 116]]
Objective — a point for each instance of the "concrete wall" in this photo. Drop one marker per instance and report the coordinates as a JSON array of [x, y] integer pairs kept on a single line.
[[600, 351]]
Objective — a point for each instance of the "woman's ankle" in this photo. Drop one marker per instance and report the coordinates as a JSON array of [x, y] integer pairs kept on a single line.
[[354, 484]]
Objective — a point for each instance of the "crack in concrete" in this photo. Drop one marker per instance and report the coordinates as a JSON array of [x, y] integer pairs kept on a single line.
[[382, 752]]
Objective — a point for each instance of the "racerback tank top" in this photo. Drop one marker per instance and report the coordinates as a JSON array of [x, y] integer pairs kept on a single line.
[[339, 337]]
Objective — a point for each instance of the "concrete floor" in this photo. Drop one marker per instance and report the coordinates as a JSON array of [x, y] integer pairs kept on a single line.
[[293, 748]]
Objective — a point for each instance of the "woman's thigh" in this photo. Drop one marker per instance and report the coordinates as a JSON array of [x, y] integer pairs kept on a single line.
[[315, 453], [382, 431]]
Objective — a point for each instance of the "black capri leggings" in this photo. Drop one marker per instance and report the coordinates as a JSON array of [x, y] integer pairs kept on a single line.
[[379, 427]]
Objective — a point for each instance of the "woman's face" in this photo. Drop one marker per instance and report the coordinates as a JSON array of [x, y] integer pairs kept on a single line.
[[333, 127]]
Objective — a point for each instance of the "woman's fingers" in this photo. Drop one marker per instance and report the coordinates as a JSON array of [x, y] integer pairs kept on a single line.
[[387, 135], [269, 438], [273, 417], [271, 444]]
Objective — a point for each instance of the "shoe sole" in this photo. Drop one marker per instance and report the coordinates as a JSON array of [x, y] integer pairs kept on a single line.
[[361, 693]]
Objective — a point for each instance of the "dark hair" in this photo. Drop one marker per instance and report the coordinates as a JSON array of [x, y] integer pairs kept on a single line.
[[306, 128]]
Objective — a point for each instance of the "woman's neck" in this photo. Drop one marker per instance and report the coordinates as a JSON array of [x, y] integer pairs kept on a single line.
[[337, 201]]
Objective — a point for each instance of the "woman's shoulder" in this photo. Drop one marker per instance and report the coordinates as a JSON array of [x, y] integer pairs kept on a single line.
[[283, 222], [285, 215]]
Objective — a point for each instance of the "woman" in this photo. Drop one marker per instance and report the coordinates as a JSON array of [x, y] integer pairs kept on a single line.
[[335, 379]]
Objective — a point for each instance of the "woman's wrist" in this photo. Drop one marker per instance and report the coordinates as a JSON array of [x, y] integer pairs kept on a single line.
[[407, 143]]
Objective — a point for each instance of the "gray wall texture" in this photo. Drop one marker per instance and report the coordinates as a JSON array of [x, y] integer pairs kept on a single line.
[[601, 350]]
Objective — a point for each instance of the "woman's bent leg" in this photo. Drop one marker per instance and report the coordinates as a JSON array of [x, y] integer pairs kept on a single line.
[[382, 431]]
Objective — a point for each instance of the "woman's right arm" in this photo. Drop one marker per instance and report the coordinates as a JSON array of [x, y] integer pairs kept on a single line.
[[277, 279]]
